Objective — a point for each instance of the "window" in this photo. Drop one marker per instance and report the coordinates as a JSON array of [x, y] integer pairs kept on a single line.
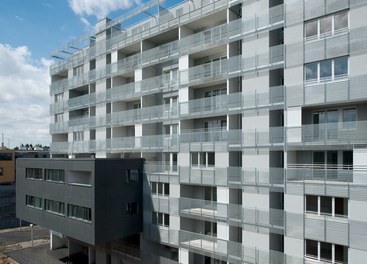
[[350, 118], [6, 156], [108, 58], [326, 251], [33, 201], [78, 136], [132, 208], [326, 205], [55, 175], [161, 219], [79, 213], [59, 97], [78, 70], [132, 175], [59, 118], [55, 207], [326, 26], [33, 173], [347, 159], [326, 70], [159, 188], [203, 159], [92, 65]]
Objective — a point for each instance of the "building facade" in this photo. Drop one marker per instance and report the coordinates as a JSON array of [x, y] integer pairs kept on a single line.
[[7, 184], [91, 201], [251, 118]]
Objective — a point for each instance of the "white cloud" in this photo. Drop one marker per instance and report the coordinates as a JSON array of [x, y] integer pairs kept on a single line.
[[86, 23], [24, 100], [21, 19], [99, 8]]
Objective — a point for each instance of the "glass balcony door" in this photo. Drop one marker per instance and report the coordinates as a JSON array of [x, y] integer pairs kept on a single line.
[[325, 124]]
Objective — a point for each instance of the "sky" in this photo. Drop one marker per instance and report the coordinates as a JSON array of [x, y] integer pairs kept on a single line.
[[29, 31]]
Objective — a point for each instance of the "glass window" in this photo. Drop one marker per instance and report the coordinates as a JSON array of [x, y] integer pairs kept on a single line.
[[341, 66], [348, 159], [132, 175], [350, 117], [341, 254], [341, 20], [54, 175], [160, 188], [311, 203], [318, 157], [325, 24], [341, 206], [325, 250], [311, 248], [194, 159], [79, 213], [33, 201], [166, 189], [55, 207], [154, 187], [33, 173], [6, 156], [311, 71], [166, 219], [211, 159], [311, 28], [326, 205], [203, 158], [325, 69]]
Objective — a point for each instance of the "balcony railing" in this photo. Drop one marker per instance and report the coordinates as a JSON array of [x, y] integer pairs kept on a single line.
[[344, 133], [319, 172]]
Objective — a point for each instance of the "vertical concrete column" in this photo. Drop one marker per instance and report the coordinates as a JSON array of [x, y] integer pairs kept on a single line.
[[91, 255], [57, 240], [184, 256]]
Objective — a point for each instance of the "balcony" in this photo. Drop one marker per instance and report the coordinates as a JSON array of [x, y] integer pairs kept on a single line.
[[59, 128], [221, 104], [161, 234], [231, 137], [161, 53], [146, 114], [329, 91], [339, 133], [319, 172], [270, 177]]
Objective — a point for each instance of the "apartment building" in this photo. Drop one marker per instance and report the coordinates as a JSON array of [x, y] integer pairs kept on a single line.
[[251, 119]]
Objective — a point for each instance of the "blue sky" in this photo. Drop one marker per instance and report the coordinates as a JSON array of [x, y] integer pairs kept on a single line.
[[29, 31]]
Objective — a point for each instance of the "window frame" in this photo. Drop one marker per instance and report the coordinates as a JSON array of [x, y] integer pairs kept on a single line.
[[160, 219], [160, 188], [31, 176], [204, 159], [32, 201], [325, 202], [333, 30], [331, 78], [48, 207], [321, 251], [86, 211]]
